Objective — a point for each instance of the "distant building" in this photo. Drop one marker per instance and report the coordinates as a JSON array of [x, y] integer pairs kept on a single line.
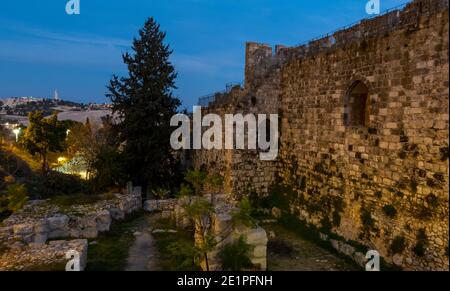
[[56, 97]]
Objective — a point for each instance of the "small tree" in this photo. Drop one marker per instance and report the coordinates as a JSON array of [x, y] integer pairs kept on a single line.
[[43, 135], [199, 212], [81, 142]]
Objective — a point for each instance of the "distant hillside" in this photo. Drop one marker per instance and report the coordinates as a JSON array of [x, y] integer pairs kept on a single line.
[[15, 110], [21, 106]]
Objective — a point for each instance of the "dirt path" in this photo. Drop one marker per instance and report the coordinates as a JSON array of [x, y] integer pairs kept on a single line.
[[142, 254], [289, 252]]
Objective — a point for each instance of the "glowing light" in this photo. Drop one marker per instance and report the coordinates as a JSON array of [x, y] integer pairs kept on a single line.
[[83, 174], [17, 131], [61, 160]]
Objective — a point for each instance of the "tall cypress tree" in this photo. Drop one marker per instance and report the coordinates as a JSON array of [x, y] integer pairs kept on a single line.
[[144, 103]]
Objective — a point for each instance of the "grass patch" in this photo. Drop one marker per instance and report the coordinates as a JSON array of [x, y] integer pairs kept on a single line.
[[111, 251], [176, 250], [280, 247], [81, 199], [70, 200]]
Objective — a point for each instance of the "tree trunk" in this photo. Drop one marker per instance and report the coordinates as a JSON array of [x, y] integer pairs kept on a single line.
[[44, 163]]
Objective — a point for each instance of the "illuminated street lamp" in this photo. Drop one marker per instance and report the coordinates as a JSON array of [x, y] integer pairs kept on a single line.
[[16, 131], [61, 160]]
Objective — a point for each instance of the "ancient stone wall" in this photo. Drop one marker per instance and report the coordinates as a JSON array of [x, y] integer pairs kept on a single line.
[[382, 183]]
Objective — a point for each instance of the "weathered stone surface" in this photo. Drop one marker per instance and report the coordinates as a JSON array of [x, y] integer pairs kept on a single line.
[[58, 234], [43, 256], [28, 230], [260, 251], [90, 232], [151, 205], [160, 205], [39, 221], [396, 154], [256, 236], [103, 221], [40, 238], [58, 222], [23, 229], [222, 224], [360, 259], [41, 227], [116, 213], [397, 260]]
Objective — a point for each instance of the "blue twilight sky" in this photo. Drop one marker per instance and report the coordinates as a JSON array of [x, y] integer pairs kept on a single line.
[[42, 48]]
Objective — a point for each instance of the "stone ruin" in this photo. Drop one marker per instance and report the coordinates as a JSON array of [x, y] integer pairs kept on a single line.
[[220, 225], [41, 233]]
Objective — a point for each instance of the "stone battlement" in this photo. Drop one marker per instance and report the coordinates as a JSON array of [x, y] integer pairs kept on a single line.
[[261, 58]]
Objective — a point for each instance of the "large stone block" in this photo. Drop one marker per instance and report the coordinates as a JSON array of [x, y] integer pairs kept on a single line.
[[58, 222], [103, 221], [260, 251], [117, 214], [90, 232], [40, 238], [256, 236], [41, 227], [151, 205], [260, 263], [59, 233], [222, 224]]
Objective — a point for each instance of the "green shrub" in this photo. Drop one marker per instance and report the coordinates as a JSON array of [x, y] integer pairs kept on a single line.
[[55, 184], [423, 213], [390, 211], [214, 182], [13, 198], [325, 224], [244, 215], [397, 245], [422, 240], [160, 193], [279, 196], [336, 219], [236, 256], [432, 200], [197, 180], [379, 194], [185, 255], [366, 219], [185, 191]]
